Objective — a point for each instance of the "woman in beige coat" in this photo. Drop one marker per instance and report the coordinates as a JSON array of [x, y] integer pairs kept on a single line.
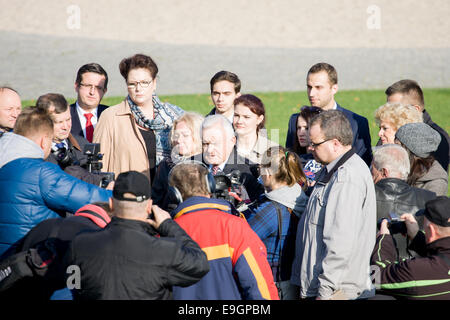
[[134, 135]]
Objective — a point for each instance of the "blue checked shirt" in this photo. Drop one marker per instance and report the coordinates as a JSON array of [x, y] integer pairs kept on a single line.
[[263, 219]]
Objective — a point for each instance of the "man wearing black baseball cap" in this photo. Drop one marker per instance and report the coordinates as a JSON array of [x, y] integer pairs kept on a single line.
[[127, 260], [425, 277]]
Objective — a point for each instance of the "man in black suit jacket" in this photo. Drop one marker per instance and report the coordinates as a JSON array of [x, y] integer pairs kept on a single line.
[[67, 149], [225, 88], [220, 155], [409, 92], [322, 86], [91, 85]]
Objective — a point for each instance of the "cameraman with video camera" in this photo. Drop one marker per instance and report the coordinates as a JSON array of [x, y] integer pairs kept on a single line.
[[424, 277], [67, 150], [239, 269]]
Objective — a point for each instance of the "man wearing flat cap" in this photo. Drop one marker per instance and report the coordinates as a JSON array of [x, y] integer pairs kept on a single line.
[[127, 260], [425, 277]]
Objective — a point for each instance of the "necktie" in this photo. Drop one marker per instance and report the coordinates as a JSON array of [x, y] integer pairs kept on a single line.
[[89, 127], [60, 145], [214, 170]]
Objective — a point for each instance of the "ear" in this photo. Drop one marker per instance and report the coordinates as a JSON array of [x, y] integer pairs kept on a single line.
[[42, 142], [434, 235], [238, 95], [418, 108], [76, 87], [334, 88], [260, 119], [154, 84], [233, 140], [385, 172]]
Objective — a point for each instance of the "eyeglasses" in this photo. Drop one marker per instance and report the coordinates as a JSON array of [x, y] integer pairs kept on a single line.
[[144, 84], [315, 145], [91, 86]]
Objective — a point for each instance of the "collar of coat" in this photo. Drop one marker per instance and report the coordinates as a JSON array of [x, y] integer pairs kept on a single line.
[[325, 178], [197, 203], [132, 224]]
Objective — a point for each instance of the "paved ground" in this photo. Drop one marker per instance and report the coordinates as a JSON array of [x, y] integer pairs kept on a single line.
[[269, 44]]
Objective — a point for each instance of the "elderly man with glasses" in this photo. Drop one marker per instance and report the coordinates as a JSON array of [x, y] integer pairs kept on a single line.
[[336, 232]]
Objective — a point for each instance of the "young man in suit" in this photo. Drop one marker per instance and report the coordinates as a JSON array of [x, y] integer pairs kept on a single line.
[[91, 85], [225, 87], [322, 85]]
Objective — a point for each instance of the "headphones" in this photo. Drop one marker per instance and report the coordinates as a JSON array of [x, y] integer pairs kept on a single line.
[[174, 195]]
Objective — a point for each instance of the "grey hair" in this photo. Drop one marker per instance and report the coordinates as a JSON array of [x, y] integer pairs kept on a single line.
[[211, 121], [393, 158], [334, 125]]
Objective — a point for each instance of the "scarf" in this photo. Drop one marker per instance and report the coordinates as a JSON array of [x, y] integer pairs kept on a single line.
[[164, 115]]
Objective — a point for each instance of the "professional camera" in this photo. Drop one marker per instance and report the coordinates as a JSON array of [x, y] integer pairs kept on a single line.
[[94, 164], [395, 224], [65, 157], [229, 187]]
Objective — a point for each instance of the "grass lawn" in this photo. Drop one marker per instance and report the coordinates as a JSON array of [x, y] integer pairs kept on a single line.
[[280, 105]]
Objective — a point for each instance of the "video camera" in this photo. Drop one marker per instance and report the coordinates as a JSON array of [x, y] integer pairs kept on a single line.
[[65, 157], [94, 164], [229, 187], [395, 224]]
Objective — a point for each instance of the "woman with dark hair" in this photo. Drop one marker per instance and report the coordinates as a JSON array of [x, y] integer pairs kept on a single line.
[[248, 121], [134, 135], [421, 141], [274, 217], [301, 142]]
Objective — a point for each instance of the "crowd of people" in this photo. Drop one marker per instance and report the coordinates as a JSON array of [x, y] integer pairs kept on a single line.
[[144, 200]]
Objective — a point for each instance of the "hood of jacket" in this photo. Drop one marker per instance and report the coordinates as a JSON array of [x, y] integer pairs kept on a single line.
[[291, 197], [14, 146], [435, 172]]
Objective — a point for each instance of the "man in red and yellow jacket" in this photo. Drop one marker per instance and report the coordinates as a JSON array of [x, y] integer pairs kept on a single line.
[[237, 257]]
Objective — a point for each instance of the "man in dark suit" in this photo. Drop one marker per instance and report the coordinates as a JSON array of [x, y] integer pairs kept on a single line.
[[409, 92], [221, 157], [322, 85], [67, 149], [225, 88], [91, 85]]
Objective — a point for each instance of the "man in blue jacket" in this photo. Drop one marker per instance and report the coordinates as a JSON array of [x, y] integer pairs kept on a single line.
[[322, 85], [32, 189]]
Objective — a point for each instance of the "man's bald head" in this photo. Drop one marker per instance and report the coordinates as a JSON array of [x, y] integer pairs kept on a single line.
[[10, 108]]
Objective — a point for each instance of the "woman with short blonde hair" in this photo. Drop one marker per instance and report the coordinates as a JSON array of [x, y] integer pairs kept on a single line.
[[193, 122], [391, 116], [185, 138]]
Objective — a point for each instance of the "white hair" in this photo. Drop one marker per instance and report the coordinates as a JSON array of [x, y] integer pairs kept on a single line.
[[394, 158], [211, 121]]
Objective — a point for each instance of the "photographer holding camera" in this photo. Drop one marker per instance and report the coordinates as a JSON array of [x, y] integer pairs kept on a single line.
[[390, 169], [67, 150], [425, 277]]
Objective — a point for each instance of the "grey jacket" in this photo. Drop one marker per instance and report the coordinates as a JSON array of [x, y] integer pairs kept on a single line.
[[336, 234], [435, 180]]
